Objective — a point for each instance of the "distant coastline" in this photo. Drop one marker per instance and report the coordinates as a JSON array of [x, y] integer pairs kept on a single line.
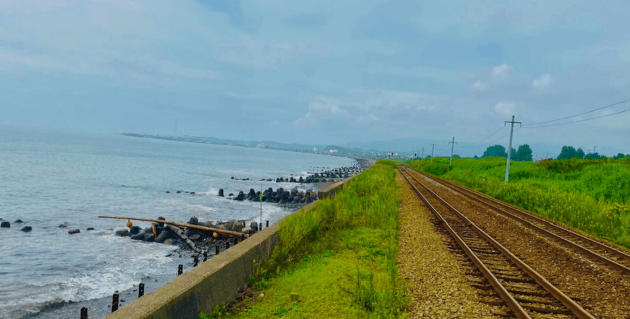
[[301, 148]]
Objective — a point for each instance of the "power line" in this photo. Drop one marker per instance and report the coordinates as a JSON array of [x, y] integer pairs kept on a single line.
[[485, 138], [500, 137], [598, 117], [568, 117]]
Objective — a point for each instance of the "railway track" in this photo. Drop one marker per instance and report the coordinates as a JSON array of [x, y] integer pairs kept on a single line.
[[598, 251], [526, 293]]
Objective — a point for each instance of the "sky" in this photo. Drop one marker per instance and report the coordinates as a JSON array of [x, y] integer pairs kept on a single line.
[[320, 72]]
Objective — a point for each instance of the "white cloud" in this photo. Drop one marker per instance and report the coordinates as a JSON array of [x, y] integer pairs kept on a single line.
[[504, 108], [425, 108], [367, 119], [479, 86], [317, 111], [501, 71], [542, 82]]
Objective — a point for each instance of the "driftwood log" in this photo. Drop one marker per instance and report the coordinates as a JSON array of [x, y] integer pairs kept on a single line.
[[204, 228], [179, 232]]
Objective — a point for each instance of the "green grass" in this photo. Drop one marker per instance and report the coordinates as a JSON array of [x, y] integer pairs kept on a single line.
[[590, 195], [339, 256]]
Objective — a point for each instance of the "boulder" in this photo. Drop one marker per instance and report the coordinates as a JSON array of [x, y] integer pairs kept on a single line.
[[207, 224], [27, 229], [168, 192], [231, 194], [169, 241], [5, 225], [221, 192], [135, 230], [192, 193], [195, 237], [238, 225], [123, 233], [163, 236], [240, 197], [179, 192], [18, 221], [139, 236], [193, 221], [161, 224], [232, 177], [148, 237], [90, 228], [191, 231], [74, 231]]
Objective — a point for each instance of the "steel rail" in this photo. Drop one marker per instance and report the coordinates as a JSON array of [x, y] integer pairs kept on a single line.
[[475, 197], [559, 295], [516, 308]]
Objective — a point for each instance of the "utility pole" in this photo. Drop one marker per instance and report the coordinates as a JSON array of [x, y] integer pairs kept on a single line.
[[507, 167], [432, 148], [452, 147]]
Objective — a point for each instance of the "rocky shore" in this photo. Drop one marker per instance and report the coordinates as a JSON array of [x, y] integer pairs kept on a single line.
[[196, 246]]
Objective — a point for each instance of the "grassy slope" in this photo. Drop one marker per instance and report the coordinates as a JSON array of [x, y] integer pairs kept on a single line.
[[590, 195], [339, 256]]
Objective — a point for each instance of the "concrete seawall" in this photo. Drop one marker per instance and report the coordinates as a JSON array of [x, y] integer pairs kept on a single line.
[[213, 282]]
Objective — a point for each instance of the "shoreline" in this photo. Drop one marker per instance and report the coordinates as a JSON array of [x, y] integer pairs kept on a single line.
[[101, 307]]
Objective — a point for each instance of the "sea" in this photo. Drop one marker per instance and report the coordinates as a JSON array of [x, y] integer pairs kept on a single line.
[[52, 177]]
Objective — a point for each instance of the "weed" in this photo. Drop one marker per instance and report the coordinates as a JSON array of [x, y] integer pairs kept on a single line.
[[590, 195]]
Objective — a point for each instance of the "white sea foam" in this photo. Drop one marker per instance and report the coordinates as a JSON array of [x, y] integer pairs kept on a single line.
[[201, 208]]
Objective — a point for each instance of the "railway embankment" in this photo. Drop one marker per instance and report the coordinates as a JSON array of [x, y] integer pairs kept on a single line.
[[335, 260]]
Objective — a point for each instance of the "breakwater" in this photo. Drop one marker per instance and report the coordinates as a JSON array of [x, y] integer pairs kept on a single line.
[[216, 281]]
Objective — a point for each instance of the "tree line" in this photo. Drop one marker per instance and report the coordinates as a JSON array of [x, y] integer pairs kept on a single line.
[[524, 153], [570, 152]]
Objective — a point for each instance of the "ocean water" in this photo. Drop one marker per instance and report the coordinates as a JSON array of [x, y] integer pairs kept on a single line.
[[49, 177]]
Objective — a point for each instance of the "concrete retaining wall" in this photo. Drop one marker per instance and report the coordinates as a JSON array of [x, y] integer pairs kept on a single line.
[[213, 282]]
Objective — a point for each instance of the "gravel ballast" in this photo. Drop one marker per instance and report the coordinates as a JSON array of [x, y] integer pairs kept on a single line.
[[436, 285], [602, 291]]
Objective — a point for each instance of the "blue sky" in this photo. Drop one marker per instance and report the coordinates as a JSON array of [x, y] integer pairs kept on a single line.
[[318, 72]]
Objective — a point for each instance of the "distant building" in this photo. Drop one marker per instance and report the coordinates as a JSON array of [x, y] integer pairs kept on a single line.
[[333, 151], [314, 149]]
